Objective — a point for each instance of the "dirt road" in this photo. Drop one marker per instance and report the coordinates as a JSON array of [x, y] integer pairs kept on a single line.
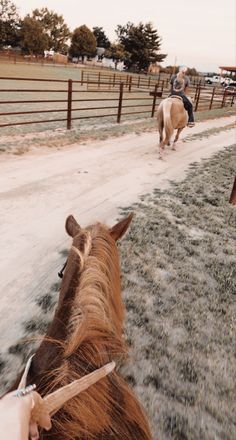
[[38, 191]]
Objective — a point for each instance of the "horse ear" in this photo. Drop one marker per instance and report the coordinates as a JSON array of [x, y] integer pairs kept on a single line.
[[72, 227], [120, 228]]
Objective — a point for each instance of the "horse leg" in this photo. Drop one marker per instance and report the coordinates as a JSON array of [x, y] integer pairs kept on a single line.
[[176, 138], [161, 142], [161, 149], [161, 128]]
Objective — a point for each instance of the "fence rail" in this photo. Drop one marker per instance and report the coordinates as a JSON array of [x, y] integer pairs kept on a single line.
[[112, 96]]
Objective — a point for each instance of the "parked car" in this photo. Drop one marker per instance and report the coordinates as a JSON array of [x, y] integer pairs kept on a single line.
[[223, 80], [228, 82], [213, 79]]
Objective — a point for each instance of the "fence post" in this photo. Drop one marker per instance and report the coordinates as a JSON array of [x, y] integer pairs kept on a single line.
[[232, 100], [212, 97], [82, 78], [162, 86], [232, 198], [69, 104], [114, 79], [99, 79], [149, 79], [154, 100], [223, 99], [196, 92], [130, 83], [138, 82], [198, 97], [120, 102]]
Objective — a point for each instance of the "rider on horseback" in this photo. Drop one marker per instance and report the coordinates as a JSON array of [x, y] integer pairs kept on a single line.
[[179, 84]]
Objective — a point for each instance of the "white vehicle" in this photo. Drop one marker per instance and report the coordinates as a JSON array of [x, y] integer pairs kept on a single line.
[[228, 82], [214, 79], [217, 79]]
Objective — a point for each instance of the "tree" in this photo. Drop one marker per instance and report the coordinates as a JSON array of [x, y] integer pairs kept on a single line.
[[116, 52], [142, 43], [9, 24], [55, 29], [174, 69], [83, 42], [192, 71], [32, 37], [101, 38]]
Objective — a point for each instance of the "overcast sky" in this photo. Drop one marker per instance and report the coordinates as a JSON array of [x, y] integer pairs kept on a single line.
[[198, 33]]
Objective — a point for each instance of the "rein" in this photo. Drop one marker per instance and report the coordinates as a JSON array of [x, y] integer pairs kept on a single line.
[[60, 274]]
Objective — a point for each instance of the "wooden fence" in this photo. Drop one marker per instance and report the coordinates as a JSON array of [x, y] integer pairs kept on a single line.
[[133, 80], [113, 96]]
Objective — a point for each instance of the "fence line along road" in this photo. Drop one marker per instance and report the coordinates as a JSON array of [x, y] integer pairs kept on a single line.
[[101, 97]]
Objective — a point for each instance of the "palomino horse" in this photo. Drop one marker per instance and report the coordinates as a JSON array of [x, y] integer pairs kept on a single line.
[[85, 334], [171, 115]]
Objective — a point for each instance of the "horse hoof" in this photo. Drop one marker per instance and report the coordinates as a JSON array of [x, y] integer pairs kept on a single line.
[[173, 147]]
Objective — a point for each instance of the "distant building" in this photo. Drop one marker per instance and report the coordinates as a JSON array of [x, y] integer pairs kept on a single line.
[[48, 54], [108, 62], [230, 70]]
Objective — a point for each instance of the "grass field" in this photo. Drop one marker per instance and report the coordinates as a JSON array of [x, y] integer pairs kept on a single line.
[[91, 103], [179, 285]]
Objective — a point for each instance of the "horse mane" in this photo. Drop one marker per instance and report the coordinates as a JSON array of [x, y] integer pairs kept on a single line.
[[86, 333]]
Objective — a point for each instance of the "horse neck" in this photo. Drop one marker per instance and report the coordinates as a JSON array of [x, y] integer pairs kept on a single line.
[[89, 318], [92, 314]]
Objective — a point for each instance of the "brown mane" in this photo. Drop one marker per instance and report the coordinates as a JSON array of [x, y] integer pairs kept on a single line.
[[85, 334]]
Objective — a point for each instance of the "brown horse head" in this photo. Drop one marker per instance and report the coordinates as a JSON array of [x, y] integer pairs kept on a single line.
[[85, 334]]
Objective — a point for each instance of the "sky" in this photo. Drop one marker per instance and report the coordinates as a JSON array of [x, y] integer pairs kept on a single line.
[[195, 33]]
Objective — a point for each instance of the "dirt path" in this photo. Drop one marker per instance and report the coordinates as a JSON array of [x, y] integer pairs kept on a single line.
[[38, 191]]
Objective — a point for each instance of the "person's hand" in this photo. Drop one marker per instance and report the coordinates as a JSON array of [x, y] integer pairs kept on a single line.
[[15, 417]]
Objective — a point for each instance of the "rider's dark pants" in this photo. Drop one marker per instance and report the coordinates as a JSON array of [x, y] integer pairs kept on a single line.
[[187, 105]]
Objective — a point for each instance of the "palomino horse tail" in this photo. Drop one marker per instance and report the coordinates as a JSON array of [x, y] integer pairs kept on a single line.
[[169, 129]]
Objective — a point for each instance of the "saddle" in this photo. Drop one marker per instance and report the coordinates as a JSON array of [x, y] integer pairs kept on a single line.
[[176, 96]]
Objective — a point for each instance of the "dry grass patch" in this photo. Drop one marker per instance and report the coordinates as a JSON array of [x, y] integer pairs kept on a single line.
[[179, 283]]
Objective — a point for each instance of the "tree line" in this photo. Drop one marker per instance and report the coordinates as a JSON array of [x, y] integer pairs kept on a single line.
[[136, 45]]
